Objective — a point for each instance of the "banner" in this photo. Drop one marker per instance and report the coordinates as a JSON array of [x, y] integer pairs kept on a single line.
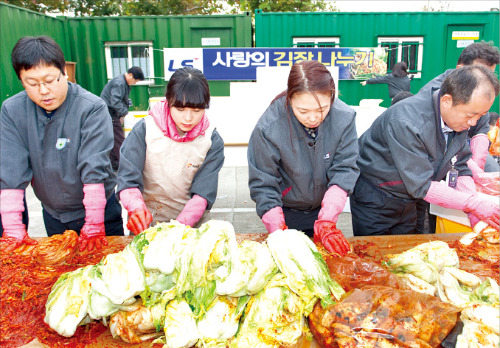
[[241, 63]]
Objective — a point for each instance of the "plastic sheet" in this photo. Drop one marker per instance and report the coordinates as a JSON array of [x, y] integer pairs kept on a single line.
[[352, 272], [488, 183], [380, 316]]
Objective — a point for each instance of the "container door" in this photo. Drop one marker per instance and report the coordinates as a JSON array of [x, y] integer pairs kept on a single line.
[[211, 37], [458, 37]]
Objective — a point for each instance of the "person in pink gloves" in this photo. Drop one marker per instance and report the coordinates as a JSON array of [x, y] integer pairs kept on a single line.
[[478, 53], [170, 161], [56, 136], [302, 157], [411, 150]]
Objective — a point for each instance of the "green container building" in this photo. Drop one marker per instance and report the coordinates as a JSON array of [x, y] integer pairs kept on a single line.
[[103, 47], [430, 42]]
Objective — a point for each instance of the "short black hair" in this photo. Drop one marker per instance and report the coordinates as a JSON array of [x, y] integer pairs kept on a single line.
[[31, 51], [188, 88], [136, 73], [400, 96], [479, 51], [462, 82], [493, 118]]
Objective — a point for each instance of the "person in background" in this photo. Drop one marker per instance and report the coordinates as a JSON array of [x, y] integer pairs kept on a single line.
[[56, 136], [479, 53], [494, 137], [302, 157], [410, 148], [400, 96], [171, 159], [115, 94], [397, 80]]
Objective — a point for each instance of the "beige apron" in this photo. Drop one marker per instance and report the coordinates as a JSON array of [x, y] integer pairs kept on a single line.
[[169, 170]]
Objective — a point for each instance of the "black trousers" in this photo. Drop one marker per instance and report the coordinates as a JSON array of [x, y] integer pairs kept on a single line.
[[376, 212], [119, 137], [302, 220], [24, 215], [113, 221]]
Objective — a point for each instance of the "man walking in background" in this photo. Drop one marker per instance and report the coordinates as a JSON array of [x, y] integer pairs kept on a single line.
[[115, 94]]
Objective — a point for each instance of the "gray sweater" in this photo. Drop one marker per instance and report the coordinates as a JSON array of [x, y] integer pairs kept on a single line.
[[282, 159]]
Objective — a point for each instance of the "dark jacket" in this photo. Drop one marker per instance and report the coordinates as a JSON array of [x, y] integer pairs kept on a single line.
[[405, 149], [396, 84], [286, 168], [115, 95]]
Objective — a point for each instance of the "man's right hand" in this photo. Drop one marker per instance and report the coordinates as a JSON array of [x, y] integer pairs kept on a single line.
[[139, 220]]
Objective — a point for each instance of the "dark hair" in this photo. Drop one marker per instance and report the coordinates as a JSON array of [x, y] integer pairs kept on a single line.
[[400, 69], [400, 96], [309, 76], [462, 82], [136, 73], [188, 88], [30, 51], [482, 51], [493, 118]]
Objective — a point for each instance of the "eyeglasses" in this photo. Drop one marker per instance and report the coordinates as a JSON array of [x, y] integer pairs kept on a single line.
[[47, 84]]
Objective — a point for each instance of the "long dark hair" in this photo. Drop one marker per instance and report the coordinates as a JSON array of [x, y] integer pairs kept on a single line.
[[308, 76], [188, 88], [400, 69]]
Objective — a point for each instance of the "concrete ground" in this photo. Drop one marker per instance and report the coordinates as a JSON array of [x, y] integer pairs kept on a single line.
[[233, 204]]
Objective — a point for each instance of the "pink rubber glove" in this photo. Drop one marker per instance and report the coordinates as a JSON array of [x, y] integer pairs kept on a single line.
[[332, 204], [474, 168], [11, 209], [193, 211], [93, 233], [441, 194], [479, 145], [274, 220], [326, 233], [139, 216], [466, 184]]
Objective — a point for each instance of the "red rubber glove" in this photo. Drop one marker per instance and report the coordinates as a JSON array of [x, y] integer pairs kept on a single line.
[[14, 231], [139, 220], [93, 234], [274, 220], [326, 233], [139, 216]]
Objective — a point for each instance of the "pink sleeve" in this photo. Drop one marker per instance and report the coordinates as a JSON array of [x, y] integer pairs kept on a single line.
[[332, 204], [479, 145], [131, 199], [274, 219], [11, 209], [94, 201], [193, 211]]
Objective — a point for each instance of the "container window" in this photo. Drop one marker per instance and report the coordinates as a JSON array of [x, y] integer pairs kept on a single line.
[[404, 49], [316, 42], [121, 56]]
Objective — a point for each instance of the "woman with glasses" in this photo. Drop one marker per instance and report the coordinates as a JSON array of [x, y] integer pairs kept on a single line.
[[56, 136]]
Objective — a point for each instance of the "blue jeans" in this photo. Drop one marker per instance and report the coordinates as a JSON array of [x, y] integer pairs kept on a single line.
[[113, 221]]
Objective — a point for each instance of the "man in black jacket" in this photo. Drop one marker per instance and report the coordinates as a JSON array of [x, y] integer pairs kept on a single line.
[[115, 94]]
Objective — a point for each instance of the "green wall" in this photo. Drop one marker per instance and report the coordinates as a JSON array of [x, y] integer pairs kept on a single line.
[[363, 29]]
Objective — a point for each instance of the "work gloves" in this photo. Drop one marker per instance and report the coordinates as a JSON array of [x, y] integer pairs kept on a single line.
[[93, 233], [325, 231], [193, 211], [274, 220], [139, 217], [441, 194], [11, 209]]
